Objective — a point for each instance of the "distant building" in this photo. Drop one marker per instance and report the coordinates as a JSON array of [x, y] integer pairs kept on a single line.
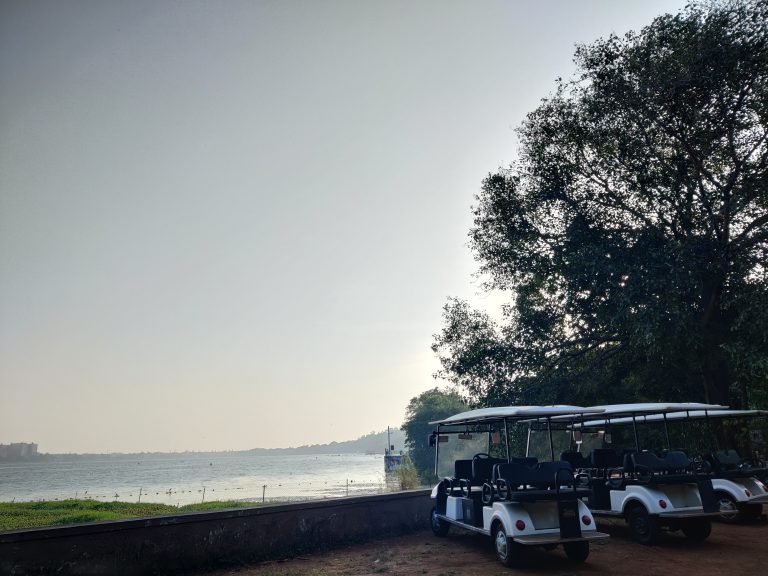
[[17, 450]]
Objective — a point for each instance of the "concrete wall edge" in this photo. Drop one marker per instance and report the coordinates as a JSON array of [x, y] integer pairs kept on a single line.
[[32, 534]]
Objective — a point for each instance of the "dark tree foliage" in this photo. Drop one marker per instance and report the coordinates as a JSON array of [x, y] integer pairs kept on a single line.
[[633, 232], [425, 408]]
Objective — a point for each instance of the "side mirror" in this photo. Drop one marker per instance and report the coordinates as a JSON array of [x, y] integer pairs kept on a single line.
[[433, 439]]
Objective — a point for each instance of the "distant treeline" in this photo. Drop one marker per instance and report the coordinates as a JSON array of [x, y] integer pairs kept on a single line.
[[373, 443]]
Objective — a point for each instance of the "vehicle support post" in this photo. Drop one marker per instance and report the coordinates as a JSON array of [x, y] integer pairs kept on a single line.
[[506, 440], [634, 429], [551, 444]]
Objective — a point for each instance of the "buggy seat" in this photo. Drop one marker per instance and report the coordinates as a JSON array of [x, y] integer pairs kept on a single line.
[[547, 481], [576, 459], [674, 467], [729, 464]]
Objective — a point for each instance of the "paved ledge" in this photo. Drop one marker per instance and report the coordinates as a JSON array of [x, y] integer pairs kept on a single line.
[[187, 542]]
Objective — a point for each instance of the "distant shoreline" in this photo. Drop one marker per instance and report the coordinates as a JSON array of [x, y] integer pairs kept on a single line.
[[374, 443]]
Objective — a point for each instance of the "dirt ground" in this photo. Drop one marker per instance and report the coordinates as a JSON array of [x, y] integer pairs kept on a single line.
[[730, 550]]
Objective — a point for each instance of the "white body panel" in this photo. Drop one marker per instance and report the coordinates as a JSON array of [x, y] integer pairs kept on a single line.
[[735, 488], [539, 517], [678, 498], [453, 509]]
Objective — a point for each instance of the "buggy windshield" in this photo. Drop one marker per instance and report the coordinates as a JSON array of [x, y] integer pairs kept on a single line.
[[464, 442]]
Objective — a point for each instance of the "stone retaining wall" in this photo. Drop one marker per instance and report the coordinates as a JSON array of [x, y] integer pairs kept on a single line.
[[189, 542]]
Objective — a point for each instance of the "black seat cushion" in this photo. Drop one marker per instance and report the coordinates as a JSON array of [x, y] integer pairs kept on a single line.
[[462, 469], [482, 469], [516, 475], [552, 475], [575, 459], [529, 461], [605, 458], [647, 461], [627, 463], [727, 459], [676, 461]]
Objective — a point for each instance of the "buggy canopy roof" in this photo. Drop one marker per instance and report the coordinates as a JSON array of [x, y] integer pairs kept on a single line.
[[612, 411], [482, 415], [670, 416]]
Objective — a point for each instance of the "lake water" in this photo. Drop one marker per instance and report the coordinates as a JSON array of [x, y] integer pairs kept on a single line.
[[179, 479]]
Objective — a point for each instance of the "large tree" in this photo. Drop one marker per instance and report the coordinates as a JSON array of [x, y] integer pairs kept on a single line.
[[632, 234], [427, 407]]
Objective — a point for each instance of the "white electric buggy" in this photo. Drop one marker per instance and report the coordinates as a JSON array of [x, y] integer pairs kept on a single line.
[[739, 492], [650, 490], [518, 501]]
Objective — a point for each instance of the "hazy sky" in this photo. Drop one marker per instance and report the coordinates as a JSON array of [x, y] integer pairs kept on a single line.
[[234, 224]]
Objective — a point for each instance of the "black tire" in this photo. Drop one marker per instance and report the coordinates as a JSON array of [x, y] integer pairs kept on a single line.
[[729, 511], [697, 529], [439, 526], [644, 527], [509, 552], [576, 551]]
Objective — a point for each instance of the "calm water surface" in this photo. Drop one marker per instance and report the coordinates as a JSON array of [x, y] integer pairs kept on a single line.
[[181, 478]]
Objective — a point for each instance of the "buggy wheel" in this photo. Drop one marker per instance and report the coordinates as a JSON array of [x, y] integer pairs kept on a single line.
[[509, 552], [644, 527], [729, 512], [697, 529], [439, 526], [576, 551]]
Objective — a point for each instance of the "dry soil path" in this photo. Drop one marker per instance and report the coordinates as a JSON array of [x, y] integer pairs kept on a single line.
[[730, 550]]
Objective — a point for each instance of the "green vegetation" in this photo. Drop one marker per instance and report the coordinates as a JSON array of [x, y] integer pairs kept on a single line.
[[632, 234], [425, 408], [408, 475], [19, 515]]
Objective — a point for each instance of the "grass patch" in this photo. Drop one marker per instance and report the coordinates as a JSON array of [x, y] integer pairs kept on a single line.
[[19, 515], [217, 505]]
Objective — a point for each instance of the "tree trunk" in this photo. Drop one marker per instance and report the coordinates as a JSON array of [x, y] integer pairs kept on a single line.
[[715, 370]]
